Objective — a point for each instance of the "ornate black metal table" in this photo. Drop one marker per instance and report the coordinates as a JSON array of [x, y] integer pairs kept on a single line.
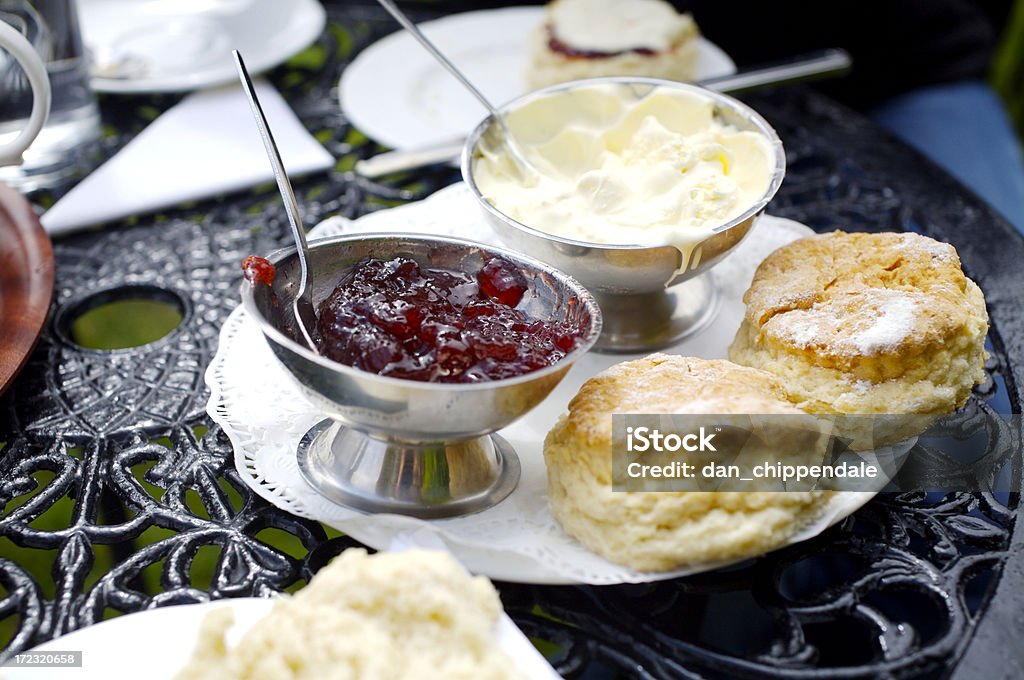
[[119, 494]]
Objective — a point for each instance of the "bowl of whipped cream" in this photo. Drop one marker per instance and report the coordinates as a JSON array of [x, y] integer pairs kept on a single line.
[[637, 187]]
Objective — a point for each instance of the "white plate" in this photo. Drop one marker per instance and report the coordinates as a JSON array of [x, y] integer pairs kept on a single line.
[[264, 415], [161, 46], [399, 96], [155, 644]]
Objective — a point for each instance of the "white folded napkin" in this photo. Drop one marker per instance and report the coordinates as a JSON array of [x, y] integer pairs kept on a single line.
[[206, 145]]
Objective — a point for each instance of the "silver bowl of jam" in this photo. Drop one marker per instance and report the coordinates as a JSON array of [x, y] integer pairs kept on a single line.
[[651, 295], [427, 346]]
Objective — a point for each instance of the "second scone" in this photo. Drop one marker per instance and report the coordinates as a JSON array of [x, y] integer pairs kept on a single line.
[[866, 324], [662, 530]]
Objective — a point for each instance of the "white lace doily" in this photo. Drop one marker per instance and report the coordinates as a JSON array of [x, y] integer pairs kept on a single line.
[[265, 416]]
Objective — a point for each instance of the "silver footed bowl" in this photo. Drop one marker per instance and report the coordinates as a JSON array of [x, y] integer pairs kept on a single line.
[[415, 448], [649, 296]]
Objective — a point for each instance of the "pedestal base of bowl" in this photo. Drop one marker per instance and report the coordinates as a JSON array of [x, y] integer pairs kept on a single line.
[[424, 480], [645, 322]]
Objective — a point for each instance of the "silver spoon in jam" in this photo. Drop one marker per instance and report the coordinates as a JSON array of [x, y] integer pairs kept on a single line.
[[515, 153], [302, 305]]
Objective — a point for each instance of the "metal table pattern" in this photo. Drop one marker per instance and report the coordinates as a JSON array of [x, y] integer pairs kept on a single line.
[[119, 441]]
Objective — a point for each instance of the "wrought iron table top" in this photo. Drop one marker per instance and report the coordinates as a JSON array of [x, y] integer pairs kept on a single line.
[[117, 488]]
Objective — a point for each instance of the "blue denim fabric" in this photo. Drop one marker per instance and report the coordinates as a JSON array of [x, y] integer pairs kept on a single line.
[[964, 128]]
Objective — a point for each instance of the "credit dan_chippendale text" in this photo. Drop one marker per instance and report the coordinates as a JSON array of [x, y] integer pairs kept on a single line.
[[771, 452]]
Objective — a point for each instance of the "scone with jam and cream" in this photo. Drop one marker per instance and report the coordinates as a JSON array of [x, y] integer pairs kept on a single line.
[[592, 38]]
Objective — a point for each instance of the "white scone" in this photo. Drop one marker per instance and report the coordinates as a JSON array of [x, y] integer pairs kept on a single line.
[[658, 531], [866, 324], [391, 616], [591, 38]]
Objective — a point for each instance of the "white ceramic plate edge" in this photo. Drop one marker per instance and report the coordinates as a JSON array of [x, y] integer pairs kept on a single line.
[[160, 641], [307, 21], [385, 91]]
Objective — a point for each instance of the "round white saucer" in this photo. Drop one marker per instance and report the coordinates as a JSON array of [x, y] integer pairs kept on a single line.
[[140, 46], [396, 93]]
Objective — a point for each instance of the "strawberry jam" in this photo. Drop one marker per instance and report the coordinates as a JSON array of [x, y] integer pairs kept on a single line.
[[401, 320], [257, 269], [557, 45]]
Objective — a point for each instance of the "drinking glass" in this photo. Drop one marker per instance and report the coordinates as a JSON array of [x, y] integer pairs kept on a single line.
[[67, 143]]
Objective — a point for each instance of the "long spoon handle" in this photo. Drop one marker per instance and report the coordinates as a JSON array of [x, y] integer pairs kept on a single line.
[[408, 25], [302, 305], [280, 174], [516, 153]]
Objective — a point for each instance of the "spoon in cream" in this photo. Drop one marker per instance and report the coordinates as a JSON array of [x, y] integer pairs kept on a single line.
[[515, 152]]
